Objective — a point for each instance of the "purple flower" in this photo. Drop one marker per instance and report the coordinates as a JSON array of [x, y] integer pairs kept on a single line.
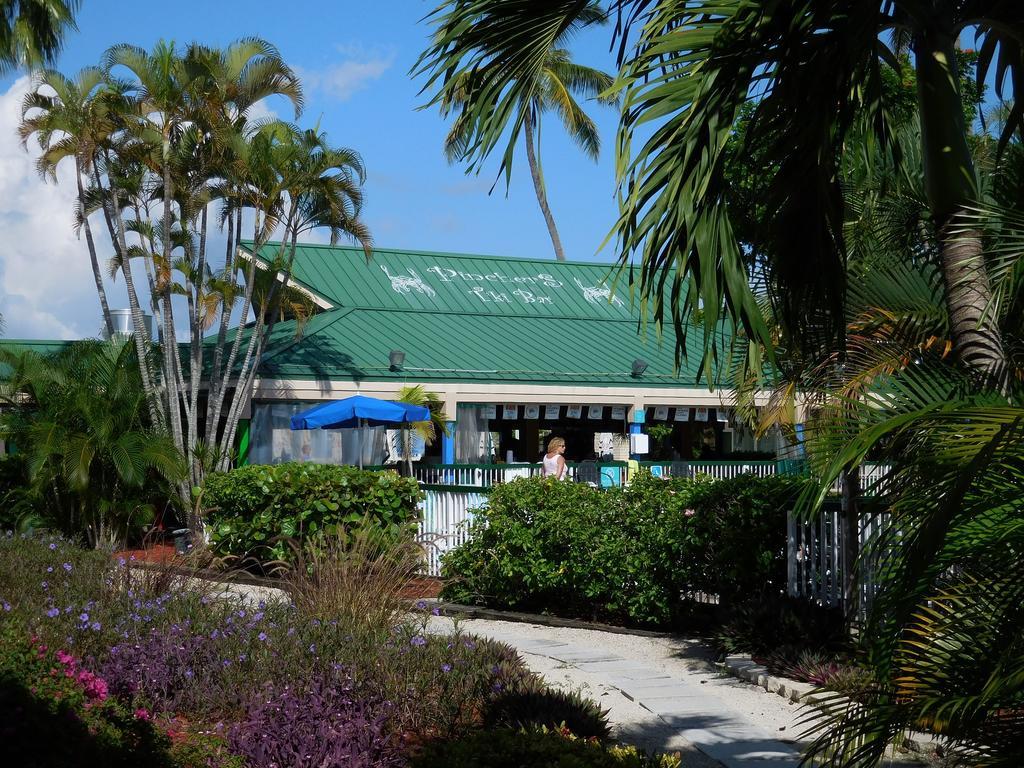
[[312, 648], [257, 616], [419, 641], [49, 569], [227, 662], [96, 626], [421, 605], [67, 567], [262, 637], [53, 547], [469, 644], [84, 618], [436, 611], [53, 613], [446, 668], [45, 585]]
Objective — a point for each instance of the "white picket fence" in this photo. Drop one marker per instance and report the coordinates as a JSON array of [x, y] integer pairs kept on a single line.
[[444, 521]]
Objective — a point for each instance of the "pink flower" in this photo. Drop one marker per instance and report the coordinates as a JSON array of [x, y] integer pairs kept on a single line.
[[65, 658], [141, 714], [690, 512]]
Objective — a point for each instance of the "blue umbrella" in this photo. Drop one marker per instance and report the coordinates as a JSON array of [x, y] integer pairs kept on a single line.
[[359, 411]]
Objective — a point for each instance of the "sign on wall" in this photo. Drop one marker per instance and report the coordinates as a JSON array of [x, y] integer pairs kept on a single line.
[[682, 414], [700, 414], [490, 411], [551, 412], [661, 413], [595, 411], [509, 411], [573, 411], [531, 412], [722, 414], [619, 412]]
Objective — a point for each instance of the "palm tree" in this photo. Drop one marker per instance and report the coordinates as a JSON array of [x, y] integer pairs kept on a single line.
[[32, 31], [70, 123], [686, 73], [553, 88], [426, 430], [298, 180]]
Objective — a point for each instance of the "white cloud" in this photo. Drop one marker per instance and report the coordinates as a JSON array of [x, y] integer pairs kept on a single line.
[[358, 68], [46, 284]]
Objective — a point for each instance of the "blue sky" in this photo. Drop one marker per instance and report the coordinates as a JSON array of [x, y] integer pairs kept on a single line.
[[354, 59]]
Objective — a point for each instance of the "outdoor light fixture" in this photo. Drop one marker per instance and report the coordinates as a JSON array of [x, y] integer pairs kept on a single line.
[[396, 359], [639, 366]]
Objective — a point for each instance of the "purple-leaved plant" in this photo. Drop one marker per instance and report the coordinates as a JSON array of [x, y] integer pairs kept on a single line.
[[321, 723]]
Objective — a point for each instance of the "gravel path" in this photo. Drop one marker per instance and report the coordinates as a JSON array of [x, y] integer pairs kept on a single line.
[[662, 693]]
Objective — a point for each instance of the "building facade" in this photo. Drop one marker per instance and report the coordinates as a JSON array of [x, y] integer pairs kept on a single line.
[[519, 350]]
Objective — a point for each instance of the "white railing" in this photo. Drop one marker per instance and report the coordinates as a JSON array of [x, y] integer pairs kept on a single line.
[[487, 475], [444, 521]]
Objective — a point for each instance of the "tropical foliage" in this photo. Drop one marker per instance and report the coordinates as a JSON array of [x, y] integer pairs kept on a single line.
[[426, 431], [94, 461], [165, 150], [879, 269], [550, 88], [32, 31]]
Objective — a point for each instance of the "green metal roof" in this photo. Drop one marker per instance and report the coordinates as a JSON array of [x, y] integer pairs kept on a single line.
[[445, 282], [354, 344], [468, 318]]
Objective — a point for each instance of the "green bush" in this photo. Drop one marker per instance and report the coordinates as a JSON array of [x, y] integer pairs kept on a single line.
[[256, 510], [506, 748], [623, 555]]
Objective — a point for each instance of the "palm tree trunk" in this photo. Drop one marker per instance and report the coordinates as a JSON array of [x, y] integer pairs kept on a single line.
[[115, 223], [538, 185], [101, 290], [951, 188], [172, 361]]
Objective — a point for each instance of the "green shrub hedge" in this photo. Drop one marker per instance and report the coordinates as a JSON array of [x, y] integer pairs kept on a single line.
[[623, 555], [256, 510]]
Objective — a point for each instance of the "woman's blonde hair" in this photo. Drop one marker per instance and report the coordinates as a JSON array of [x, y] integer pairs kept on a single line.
[[555, 443]]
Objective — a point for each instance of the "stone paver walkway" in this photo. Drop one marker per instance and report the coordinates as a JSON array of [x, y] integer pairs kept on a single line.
[[688, 705]]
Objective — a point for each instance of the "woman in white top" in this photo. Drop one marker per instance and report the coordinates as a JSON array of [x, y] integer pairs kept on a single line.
[[553, 464]]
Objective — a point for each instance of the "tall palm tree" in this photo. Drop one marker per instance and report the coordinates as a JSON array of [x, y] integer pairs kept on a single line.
[[687, 70], [32, 31], [302, 183], [71, 123], [553, 87]]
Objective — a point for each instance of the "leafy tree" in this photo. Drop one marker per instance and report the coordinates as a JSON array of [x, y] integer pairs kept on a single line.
[[79, 417], [552, 87], [32, 31]]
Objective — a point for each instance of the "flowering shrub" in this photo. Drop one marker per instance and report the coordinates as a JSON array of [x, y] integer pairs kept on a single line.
[[157, 671], [44, 693], [316, 723]]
